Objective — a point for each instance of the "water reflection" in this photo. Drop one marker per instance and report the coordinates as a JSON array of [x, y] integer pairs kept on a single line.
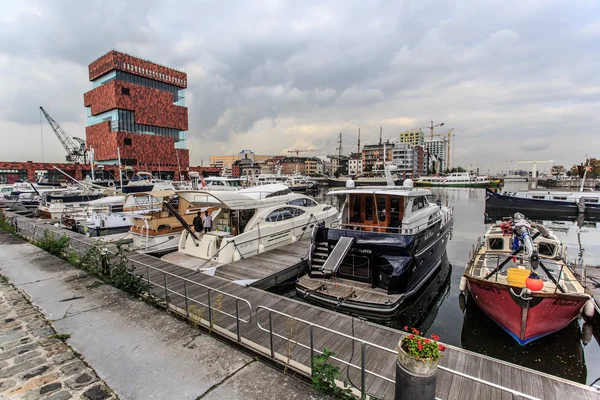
[[421, 309], [560, 354], [442, 314]]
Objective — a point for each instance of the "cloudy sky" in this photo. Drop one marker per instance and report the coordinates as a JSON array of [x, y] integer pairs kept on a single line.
[[518, 80]]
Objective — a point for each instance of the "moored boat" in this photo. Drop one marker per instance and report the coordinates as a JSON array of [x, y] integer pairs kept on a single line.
[[457, 179], [568, 203], [387, 243], [503, 281], [248, 222]]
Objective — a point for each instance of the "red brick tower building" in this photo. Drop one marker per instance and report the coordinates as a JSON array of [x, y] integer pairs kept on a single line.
[[137, 106]]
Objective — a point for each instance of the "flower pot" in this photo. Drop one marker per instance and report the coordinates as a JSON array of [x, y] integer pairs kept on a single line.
[[415, 379], [424, 367]]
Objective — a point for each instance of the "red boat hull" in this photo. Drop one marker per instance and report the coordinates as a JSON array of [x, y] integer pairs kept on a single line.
[[524, 320]]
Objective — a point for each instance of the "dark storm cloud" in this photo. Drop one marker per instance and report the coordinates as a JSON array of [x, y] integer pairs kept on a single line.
[[276, 74]]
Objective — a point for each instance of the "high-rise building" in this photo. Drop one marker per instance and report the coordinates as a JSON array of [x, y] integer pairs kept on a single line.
[[409, 160], [137, 106], [415, 137], [373, 155], [439, 149]]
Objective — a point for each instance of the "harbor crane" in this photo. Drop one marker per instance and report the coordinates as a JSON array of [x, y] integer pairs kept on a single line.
[[75, 147], [534, 165], [302, 151], [446, 136]]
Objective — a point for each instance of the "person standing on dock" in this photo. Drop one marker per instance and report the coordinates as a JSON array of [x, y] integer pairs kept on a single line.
[[198, 226], [207, 222]]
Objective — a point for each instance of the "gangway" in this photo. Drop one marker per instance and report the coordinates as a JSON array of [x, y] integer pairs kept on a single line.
[[337, 255]]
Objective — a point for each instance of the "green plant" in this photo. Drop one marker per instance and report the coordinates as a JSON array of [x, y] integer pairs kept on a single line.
[[52, 245], [5, 225], [291, 342], [324, 376], [196, 315], [3, 278], [216, 309], [420, 347], [61, 336]]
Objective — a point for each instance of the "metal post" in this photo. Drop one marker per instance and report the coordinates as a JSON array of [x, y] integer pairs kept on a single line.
[[312, 351], [187, 310], [166, 291], [209, 310], [148, 277], [271, 334], [237, 320], [363, 388]]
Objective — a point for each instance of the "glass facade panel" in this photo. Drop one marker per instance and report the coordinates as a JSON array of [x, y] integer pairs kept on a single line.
[[104, 78]]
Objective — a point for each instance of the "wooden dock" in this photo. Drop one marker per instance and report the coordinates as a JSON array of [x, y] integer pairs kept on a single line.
[[592, 284], [465, 375], [262, 271]]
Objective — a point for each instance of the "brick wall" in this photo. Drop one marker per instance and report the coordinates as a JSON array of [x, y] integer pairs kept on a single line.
[[150, 106], [114, 60]]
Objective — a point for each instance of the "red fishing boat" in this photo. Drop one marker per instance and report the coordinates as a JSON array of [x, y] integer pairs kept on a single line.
[[502, 277]]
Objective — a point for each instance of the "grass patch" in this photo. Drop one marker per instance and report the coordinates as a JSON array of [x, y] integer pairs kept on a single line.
[[63, 337]]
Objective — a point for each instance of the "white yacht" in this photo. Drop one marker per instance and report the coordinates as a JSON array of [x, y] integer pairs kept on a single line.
[[249, 222], [222, 183]]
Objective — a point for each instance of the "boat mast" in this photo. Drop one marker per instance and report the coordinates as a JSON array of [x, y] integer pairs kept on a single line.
[[584, 174]]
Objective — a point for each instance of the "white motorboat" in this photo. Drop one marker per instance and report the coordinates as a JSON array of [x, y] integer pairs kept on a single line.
[[249, 222], [222, 183]]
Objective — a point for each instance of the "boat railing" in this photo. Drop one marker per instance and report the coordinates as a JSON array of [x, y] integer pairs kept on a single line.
[[444, 218]]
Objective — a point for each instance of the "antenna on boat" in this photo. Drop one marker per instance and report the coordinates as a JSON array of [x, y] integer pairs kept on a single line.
[[380, 134], [358, 140]]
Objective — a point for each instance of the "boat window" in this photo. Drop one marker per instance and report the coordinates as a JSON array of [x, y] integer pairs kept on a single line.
[[381, 207], [559, 198], [591, 200], [538, 197], [546, 249], [354, 208], [421, 202], [281, 214], [496, 244], [296, 212], [368, 208], [304, 202], [355, 266], [396, 204], [415, 205], [279, 193]]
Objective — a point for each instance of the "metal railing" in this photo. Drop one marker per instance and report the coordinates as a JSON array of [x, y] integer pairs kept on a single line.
[[363, 345], [82, 247]]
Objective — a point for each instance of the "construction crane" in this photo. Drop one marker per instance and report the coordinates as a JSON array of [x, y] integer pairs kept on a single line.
[[302, 151], [446, 136], [75, 147], [430, 127], [534, 165]]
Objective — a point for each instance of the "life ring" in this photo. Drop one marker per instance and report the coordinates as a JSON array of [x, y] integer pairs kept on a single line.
[[111, 184]]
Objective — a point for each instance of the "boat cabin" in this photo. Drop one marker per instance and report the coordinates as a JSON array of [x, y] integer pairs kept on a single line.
[[397, 210]]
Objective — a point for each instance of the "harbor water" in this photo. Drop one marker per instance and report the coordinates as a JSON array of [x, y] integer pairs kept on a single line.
[[572, 353]]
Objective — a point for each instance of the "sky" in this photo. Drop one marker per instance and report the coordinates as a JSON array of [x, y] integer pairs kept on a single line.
[[517, 80]]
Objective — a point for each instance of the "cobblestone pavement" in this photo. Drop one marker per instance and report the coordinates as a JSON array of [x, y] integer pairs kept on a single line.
[[34, 362]]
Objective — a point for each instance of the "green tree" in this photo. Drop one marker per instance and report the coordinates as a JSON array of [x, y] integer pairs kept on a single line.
[[594, 165], [557, 170]]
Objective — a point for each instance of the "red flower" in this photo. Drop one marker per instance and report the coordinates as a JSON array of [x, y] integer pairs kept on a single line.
[[419, 345], [411, 336], [435, 337], [415, 331], [406, 328], [441, 347], [427, 340]]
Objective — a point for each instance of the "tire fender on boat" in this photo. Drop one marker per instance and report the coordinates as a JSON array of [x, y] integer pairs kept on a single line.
[[463, 284], [588, 308]]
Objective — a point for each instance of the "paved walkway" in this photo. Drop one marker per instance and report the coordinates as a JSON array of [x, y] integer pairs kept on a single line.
[[139, 351], [34, 363]]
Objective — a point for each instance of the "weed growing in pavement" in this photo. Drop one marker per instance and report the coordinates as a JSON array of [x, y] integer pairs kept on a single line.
[[325, 375], [52, 245], [196, 315], [215, 310], [63, 337], [291, 341]]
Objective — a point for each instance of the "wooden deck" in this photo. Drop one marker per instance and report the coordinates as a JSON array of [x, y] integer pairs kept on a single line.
[[449, 385], [262, 270]]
